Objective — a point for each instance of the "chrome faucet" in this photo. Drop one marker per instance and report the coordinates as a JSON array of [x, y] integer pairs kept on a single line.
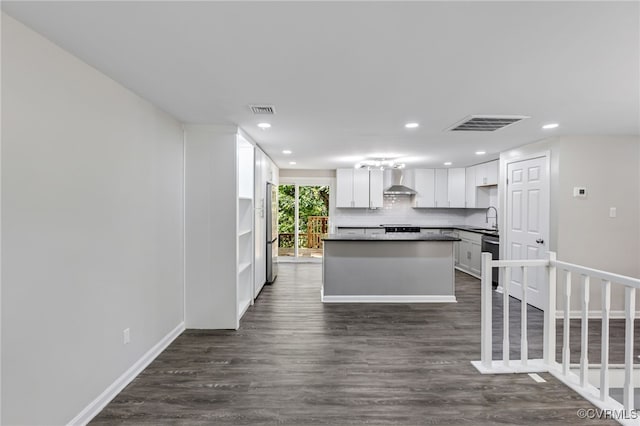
[[495, 226]]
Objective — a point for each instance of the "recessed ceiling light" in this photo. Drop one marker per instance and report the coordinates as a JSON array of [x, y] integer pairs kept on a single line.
[[550, 126], [411, 125], [448, 163], [264, 125], [481, 152], [286, 152], [293, 163]]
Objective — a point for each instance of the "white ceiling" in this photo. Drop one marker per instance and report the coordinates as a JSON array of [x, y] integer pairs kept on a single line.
[[346, 76]]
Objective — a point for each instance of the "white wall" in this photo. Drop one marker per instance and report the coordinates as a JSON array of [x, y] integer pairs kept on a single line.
[[397, 209], [307, 173], [210, 227], [92, 229], [581, 231]]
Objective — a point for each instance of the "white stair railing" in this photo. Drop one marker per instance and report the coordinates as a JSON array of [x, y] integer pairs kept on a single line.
[[580, 383]]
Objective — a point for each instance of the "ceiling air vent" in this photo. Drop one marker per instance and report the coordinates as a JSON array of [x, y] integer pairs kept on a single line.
[[263, 109], [485, 123]]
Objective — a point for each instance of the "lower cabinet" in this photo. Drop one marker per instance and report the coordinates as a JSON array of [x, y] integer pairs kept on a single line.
[[469, 250]]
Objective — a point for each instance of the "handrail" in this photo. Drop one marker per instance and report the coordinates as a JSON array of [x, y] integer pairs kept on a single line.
[[595, 273], [584, 277]]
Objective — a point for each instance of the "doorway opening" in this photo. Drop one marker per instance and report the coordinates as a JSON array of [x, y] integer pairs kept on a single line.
[[303, 221]]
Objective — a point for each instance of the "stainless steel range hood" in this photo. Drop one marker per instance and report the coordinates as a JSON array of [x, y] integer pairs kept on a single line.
[[394, 180]]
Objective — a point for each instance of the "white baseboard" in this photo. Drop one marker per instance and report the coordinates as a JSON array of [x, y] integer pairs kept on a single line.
[[388, 299], [515, 366], [95, 406]]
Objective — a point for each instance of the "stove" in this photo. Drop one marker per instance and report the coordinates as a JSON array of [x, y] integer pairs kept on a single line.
[[400, 227]]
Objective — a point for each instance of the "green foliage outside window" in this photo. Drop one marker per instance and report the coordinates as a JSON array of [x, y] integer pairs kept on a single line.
[[314, 201]]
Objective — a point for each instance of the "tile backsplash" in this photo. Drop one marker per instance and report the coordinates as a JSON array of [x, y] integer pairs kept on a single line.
[[398, 209]]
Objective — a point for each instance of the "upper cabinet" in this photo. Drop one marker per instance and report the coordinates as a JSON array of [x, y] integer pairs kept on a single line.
[[456, 187], [441, 192], [470, 187], [425, 186], [482, 181], [358, 188], [376, 196], [439, 188], [487, 173]]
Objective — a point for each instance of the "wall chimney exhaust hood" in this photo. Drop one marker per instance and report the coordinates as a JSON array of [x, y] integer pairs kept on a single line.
[[394, 180]]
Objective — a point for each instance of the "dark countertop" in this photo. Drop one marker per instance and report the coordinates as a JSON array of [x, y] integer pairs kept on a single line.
[[395, 236], [468, 228]]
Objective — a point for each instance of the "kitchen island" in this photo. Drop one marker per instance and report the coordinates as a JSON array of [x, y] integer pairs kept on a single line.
[[388, 268]]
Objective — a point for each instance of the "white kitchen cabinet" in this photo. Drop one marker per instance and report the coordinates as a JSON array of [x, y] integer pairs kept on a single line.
[[441, 191], [353, 188], [456, 187], [469, 253], [425, 186], [450, 188], [344, 188], [376, 198], [487, 173], [265, 171], [470, 187]]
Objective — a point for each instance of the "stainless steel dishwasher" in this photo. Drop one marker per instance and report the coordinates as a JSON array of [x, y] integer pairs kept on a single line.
[[491, 244]]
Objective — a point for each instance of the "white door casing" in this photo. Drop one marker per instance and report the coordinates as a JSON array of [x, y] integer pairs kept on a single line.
[[527, 219]]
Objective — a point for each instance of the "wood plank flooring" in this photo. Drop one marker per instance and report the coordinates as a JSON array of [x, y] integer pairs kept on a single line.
[[296, 361]]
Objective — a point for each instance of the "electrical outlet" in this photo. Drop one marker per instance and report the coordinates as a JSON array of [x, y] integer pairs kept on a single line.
[[126, 336]]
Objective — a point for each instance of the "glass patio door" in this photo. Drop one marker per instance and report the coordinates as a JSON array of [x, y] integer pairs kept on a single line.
[[303, 220]]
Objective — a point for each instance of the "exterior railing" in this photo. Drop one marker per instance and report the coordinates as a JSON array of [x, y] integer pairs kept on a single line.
[[580, 382]]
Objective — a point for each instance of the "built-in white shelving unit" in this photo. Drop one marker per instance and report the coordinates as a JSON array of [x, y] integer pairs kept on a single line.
[[219, 226], [245, 225]]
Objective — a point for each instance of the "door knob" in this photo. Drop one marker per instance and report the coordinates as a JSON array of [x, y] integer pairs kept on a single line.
[[540, 241]]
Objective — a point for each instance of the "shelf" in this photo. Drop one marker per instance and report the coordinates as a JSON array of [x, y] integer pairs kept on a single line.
[[244, 232], [245, 198], [243, 266]]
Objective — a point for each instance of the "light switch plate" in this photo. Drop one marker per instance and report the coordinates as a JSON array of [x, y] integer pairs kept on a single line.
[[613, 212]]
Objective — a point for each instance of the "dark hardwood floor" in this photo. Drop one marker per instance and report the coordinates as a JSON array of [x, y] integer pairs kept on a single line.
[[296, 361]]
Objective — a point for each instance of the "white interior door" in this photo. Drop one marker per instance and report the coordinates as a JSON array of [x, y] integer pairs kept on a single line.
[[528, 224]]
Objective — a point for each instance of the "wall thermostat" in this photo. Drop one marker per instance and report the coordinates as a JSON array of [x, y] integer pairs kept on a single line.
[[580, 192]]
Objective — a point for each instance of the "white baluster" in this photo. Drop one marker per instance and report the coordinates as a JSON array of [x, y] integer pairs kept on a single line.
[[604, 354], [549, 337], [524, 348], [630, 313], [584, 357], [486, 345], [506, 345], [566, 350]]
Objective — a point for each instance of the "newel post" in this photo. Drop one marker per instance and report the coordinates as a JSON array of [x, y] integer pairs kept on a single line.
[[549, 337], [486, 289]]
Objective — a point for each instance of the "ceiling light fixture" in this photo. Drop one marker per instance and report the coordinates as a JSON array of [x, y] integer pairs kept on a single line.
[[286, 152], [379, 163], [550, 126], [481, 152], [448, 163], [411, 125], [264, 125], [293, 163]]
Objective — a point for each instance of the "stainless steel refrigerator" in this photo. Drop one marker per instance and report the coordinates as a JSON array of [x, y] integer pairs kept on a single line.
[[271, 205]]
